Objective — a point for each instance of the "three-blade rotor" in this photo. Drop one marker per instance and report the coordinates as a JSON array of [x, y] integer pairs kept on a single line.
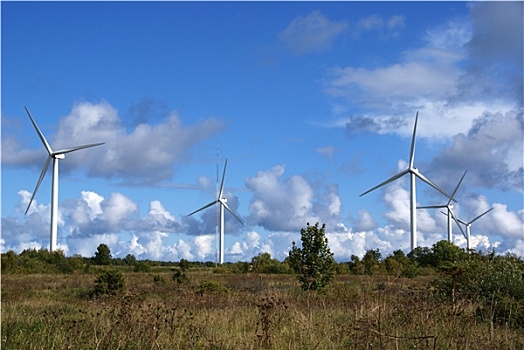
[[220, 199], [448, 205], [56, 155], [411, 170]]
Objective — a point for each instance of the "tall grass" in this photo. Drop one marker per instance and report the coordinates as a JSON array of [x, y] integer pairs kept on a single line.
[[218, 311]]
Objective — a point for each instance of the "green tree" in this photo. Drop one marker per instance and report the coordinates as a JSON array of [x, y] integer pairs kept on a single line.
[[130, 260], [103, 255], [314, 262], [356, 266], [9, 262], [446, 254], [371, 261], [184, 264]]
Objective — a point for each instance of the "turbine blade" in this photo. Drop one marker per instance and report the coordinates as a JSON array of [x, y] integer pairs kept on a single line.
[[432, 184], [42, 175], [456, 188], [391, 179], [42, 138], [412, 152], [432, 207], [204, 207], [223, 178], [231, 211], [478, 217], [72, 149], [458, 223]]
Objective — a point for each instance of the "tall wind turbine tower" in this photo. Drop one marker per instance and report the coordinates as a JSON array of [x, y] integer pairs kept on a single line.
[[55, 156], [450, 213], [413, 174], [222, 202]]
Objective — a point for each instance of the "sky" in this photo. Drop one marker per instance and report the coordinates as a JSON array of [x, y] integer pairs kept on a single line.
[[311, 103]]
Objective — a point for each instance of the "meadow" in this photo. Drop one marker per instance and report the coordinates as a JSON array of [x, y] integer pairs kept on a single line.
[[210, 310]]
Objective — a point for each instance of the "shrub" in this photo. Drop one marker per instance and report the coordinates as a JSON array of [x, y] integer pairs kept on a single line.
[[207, 286], [180, 277], [110, 282], [496, 284], [142, 266]]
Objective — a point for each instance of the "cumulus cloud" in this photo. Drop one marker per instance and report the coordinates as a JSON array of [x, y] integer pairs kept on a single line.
[[158, 146], [280, 204], [492, 151], [465, 68], [311, 33]]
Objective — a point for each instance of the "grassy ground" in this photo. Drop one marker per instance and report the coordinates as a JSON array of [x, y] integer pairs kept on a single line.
[[249, 311]]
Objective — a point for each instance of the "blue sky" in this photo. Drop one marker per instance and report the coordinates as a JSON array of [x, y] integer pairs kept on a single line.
[[312, 103]]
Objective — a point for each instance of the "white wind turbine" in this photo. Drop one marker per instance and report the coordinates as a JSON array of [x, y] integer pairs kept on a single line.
[[414, 173], [56, 156], [222, 201], [450, 213], [467, 235]]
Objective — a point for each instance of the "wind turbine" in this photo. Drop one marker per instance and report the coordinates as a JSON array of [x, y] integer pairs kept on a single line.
[[468, 227], [413, 173], [56, 156], [222, 201], [450, 213]]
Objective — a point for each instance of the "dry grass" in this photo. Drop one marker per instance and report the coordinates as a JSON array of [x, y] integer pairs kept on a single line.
[[245, 312]]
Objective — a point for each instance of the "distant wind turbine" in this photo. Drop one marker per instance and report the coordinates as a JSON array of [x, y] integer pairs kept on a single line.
[[222, 201], [56, 156], [467, 235], [414, 173], [450, 213]]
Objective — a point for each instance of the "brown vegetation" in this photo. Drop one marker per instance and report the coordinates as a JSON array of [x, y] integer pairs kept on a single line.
[[239, 311]]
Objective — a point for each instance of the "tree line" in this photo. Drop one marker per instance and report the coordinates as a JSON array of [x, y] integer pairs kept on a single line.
[[494, 282]]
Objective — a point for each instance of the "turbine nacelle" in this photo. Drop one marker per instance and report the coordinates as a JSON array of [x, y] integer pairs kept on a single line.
[[59, 156]]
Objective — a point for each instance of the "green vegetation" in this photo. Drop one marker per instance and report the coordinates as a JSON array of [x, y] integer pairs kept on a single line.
[[110, 282], [437, 297], [313, 263]]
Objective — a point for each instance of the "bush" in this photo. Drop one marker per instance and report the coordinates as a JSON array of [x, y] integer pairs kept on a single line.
[[110, 282], [207, 286], [142, 266], [180, 277], [495, 284]]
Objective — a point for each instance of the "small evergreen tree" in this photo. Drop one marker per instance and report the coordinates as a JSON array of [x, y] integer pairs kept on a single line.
[[314, 262], [103, 255], [110, 282]]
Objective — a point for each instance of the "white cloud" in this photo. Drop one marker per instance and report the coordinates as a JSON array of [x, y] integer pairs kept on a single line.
[[492, 151], [311, 33], [158, 146], [280, 205], [326, 152], [118, 207]]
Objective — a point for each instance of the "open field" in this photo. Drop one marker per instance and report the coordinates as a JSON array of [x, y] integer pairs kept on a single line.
[[244, 311]]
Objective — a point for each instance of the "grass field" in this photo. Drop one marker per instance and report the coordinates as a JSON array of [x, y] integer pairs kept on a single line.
[[245, 311]]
